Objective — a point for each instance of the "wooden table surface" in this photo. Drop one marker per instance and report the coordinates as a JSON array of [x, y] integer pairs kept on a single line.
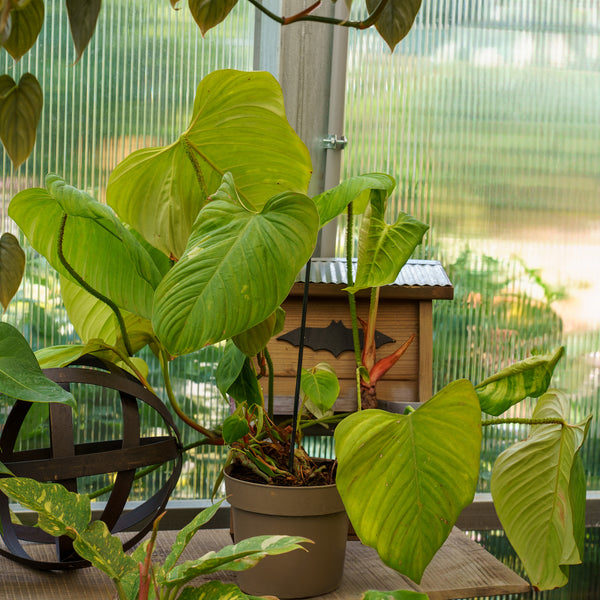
[[461, 569]]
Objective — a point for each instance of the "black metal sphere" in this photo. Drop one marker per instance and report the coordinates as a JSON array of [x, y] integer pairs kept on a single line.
[[65, 461]]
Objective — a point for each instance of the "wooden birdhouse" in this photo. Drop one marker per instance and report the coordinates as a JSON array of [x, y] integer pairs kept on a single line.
[[405, 308]]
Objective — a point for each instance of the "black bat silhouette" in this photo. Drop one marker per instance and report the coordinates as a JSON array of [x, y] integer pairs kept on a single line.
[[335, 338]]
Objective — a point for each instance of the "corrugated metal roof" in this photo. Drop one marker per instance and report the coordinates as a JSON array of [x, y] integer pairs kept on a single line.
[[414, 273]]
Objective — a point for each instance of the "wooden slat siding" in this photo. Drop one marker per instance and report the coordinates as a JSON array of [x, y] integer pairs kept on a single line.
[[461, 569], [425, 351]]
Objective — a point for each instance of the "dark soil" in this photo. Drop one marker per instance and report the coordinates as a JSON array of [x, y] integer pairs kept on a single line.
[[309, 472]]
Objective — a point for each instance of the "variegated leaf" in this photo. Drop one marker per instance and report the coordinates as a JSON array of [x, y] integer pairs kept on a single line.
[[105, 551], [60, 512], [236, 557]]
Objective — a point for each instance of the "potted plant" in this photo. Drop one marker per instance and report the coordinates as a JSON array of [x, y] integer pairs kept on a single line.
[[207, 238]]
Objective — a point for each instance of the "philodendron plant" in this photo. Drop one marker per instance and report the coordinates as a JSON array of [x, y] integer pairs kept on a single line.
[[201, 242]]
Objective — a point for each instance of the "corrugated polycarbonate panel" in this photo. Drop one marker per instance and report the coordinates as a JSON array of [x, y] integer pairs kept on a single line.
[[487, 115], [133, 87]]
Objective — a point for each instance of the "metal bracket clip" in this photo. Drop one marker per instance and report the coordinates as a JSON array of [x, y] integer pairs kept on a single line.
[[333, 142]]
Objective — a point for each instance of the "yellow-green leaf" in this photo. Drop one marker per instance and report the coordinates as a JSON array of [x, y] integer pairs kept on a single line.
[[536, 497], [529, 377]]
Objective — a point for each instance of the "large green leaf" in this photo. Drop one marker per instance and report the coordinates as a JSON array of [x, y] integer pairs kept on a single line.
[[384, 249], [60, 512], [404, 479], [533, 493], [12, 267], [96, 244], [357, 190], [238, 125], [93, 319], [20, 373], [529, 377], [396, 19], [83, 16], [209, 13], [26, 24], [238, 267], [156, 190], [236, 557], [20, 110]]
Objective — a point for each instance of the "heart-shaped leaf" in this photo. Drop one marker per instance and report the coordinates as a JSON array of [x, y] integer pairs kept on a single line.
[[238, 267], [26, 24], [533, 493], [12, 267], [529, 377], [320, 385], [83, 16], [404, 479], [157, 191], [20, 110], [238, 126], [235, 426], [208, 13], [115, 264], [357, 189], [384, 249], [20, 373], [396, 19]]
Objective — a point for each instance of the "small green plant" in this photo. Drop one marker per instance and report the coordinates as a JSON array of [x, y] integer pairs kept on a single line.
[[135, 576]]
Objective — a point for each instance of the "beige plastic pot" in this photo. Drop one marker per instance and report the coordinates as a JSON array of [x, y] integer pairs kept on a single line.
[[316, 513]]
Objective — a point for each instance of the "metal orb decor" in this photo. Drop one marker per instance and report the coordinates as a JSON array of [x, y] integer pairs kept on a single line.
[[66, 461]]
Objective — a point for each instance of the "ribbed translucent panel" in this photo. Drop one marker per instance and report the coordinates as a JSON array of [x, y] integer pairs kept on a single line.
[[133, 87], [488, 116]]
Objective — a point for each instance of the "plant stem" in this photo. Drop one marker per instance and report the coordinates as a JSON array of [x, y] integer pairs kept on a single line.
[[523, 421], [352, 299], [305, 15], [271, 385], [164, 364], [88, 288]]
